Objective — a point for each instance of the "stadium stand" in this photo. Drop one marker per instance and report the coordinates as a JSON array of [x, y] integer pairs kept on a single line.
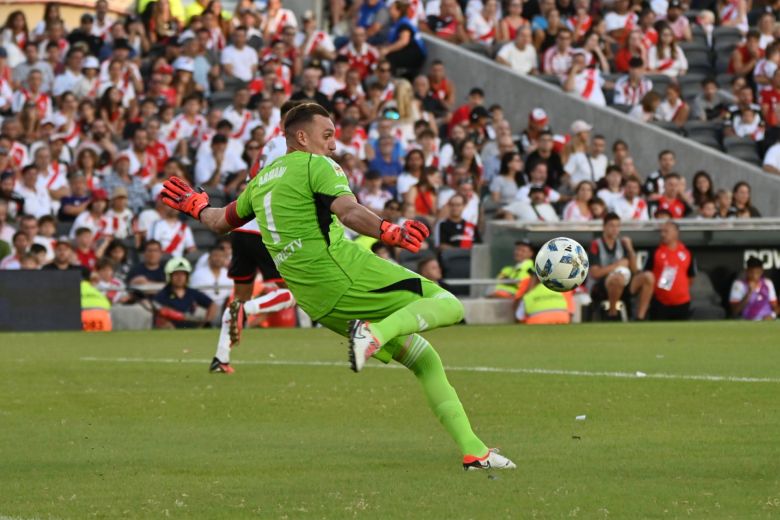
[[119, 104]]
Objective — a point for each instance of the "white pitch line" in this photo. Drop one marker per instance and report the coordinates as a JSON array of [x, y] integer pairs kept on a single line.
[[495, 370]]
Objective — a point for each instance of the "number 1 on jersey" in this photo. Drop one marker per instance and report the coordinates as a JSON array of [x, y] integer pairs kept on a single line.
[[269, 218]]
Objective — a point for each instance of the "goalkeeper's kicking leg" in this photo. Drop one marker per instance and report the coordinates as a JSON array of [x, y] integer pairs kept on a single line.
[[233, 317]]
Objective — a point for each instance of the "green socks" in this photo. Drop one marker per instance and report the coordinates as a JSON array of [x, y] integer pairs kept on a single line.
[[420, 315], [419, 356]]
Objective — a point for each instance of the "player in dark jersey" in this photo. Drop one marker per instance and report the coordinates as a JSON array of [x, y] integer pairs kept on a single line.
[[250, 256]]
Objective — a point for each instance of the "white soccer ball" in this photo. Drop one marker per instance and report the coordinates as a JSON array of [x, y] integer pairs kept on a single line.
[[562, 264]]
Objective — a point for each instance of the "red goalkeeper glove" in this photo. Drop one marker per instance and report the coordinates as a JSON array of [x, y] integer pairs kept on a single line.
[[180, 196], [410, 235]]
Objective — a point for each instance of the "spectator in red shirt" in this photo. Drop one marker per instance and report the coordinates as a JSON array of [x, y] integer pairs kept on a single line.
[[674, 268], [85, 254], [770, 101], [463, 113], [671, 200]]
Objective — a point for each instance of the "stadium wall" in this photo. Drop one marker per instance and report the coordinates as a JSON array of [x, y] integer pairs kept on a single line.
[[518, 94]]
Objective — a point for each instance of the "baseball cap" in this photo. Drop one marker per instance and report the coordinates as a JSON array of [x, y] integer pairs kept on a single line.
[[580, 126], [63, 239], [47, 121], [524, 242], [99, 195], [538, 116], [90, 62], [477, 112], [121, 157], [164, 68], [674, 4], [308, 15], [122, 43], [119, 191], [184, 63]]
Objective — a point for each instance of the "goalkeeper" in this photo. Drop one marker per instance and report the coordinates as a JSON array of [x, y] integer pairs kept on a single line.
[[381, 307]]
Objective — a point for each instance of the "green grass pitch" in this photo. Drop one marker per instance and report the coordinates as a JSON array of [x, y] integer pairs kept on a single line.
[[131, 425]]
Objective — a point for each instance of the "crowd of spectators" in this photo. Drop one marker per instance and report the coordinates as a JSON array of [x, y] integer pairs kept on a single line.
[[670, 62], [95, 117]]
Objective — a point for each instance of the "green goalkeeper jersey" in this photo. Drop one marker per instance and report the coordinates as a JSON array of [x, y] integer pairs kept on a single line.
[[291, 200]]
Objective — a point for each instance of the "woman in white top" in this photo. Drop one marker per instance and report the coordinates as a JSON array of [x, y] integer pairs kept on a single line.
[[577, 209], [666, 57], [673, 109]]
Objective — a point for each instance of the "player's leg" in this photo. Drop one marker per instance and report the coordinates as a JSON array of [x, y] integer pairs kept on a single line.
[[416, 354], [230, 329], [643, 283], [615, 284]]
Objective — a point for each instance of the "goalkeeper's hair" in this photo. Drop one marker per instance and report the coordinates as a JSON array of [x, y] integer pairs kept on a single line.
[[302, 114]]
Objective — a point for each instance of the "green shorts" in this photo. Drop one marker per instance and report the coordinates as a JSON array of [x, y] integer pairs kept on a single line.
[[381, 289]]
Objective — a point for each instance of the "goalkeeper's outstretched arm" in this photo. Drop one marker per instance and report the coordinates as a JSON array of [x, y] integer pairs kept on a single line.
[[180, 196]]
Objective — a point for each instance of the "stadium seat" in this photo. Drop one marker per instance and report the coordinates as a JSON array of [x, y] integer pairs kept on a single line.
[[722, 35], [722, 63], [456, 263], [660, 82], [693, 46], [705, 301], [623, 108], [668, 126], [690, 84], [204, 238], [725, 47], [702, 128], [63, 228], [699, 61], [706, 140], [724, 80], [699, 36], [551, 79], [742, 148]]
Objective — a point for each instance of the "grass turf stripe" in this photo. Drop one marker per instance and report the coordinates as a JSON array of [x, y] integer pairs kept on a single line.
[[495, 370]]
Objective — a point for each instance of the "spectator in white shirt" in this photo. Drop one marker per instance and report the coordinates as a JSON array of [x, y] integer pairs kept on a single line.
[[614, 187], [631, 206], [666, 57], [239, 60], [519, 55], [174, 235], [535, 208], [577, 209], [37, 201], [585, 82], [587, 161], [373, 196], [72, 77], [218, 168], [21, 243], [212, 277], [631, 88], [772, 159], [557, 59]]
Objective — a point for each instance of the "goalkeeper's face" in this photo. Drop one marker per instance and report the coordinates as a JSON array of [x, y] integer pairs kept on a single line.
[[319, 136]]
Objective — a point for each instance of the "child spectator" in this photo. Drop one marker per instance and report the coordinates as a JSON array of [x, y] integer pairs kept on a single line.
[[754, 297], [85, 253]]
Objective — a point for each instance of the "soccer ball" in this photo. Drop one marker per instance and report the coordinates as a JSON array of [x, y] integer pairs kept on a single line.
[[561, 264]]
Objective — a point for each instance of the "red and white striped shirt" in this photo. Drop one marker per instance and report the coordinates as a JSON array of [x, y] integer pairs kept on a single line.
[[627, 93], [184, 128], [364, 60]]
